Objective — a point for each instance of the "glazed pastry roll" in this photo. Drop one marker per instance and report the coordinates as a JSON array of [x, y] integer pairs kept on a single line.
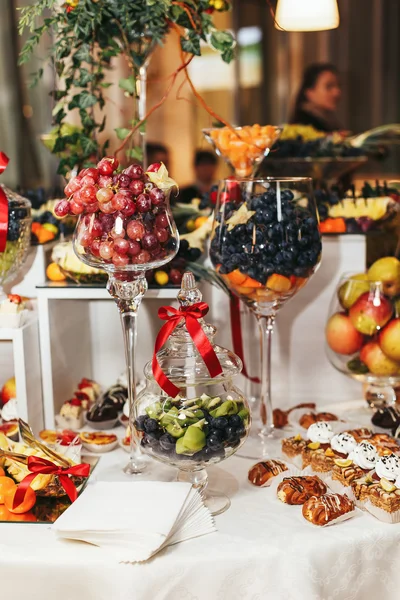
[[326, 508], [261, 473], [296, 490]]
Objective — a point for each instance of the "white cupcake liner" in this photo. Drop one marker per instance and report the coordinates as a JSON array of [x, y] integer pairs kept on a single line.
[[344, 517], [296, 461], [379, 513]]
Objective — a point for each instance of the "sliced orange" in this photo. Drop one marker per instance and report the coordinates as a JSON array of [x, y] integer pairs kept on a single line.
[[278, 283], [236, 277], [245, 291], [249, 282]]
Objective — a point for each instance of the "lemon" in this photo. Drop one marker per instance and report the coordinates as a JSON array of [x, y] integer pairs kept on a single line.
[[387, 485], [329, 452], [314, 445], [346, 462], [161, 277], [298, 438]]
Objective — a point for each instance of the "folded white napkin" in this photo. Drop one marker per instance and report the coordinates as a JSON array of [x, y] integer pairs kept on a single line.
[[135, 520]]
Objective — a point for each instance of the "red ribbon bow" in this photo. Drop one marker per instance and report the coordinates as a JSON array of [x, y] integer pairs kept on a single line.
[[3, 206], [191, 316], [42, 466]]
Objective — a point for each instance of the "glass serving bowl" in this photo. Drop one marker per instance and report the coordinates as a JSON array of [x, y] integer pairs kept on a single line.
[[363, 336], [207, 421], [18, 237], [265, 246], [243, 148]]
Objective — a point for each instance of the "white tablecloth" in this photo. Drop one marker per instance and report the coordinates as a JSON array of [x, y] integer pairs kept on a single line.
[[263, 549]]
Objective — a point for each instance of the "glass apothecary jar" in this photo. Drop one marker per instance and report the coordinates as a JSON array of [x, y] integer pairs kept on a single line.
[[208, 420]]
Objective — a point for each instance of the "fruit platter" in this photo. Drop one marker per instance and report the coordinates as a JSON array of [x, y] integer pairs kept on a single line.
[[356, 211], [363, 330], [45, 497], [303, 151]]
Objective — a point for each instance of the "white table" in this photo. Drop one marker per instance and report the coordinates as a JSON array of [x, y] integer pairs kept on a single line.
[[262, 550]]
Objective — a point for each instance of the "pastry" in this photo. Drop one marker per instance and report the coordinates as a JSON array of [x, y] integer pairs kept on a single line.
[[293, 447], [340, 447], [71, 414], [384, 443], [281, 417], [103, 412], [309, 418], [324, 509], [115, 396], [296, 490], [386, 418], [261, 473], [11, 430], [319, 435], [364, 455], [362, 433]]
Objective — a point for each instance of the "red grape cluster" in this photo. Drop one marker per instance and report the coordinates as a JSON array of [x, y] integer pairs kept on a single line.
[[124, 216]]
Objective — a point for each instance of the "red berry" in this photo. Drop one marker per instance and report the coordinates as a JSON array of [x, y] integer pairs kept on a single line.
[[104, 181], [153, 168], [175, 276], [134, 248], [135, 230], [119, 202], [134, 171], [95, 247], [92, 172], [107, 208], [106, 250], [162, 235], [143, 203], [87, 180], [92, 208], [72, 186], [120, 261], [142, 258], [76, 209], [87, 194], [137, 187], [97, 228], [62, 208], [157, 196], [121, 246], [149, 241], [162, 221], [124, 180], [105, 167], [129, 209], [104, 194], [117, 233], [85, 239], [107, 222]]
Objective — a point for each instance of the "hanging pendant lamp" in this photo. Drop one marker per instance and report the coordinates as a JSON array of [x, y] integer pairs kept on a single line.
[[306, 15]]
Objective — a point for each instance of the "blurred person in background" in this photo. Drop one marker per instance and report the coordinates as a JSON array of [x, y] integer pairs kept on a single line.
[[318, 98], [157, 153], [205, 166]]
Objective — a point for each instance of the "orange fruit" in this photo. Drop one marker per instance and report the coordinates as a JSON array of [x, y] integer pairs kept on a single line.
[[249, 282], [6, 484], [200, 221], [5, 514], [25, 506], [2, 472], [36, 227], [28, 516], [54, 272], [44, 235], [278, 283], [245, 291], [236, 277]]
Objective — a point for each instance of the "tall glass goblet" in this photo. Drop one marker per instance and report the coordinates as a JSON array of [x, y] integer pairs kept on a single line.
[[265, 245], [126, 229]]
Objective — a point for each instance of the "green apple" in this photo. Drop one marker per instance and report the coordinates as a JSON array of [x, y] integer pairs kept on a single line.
[[386, 270], [350, 291]]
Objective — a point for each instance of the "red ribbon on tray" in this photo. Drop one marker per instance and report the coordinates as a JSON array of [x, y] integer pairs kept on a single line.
[[4, 160], [237, 340], [41, 466], [191, 316]]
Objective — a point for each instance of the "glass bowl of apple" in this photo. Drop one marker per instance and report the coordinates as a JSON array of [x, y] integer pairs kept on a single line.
[[363, 329]]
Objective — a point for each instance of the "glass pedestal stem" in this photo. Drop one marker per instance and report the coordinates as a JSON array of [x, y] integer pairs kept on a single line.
[[128, 296], [216, 502], [266, 327]]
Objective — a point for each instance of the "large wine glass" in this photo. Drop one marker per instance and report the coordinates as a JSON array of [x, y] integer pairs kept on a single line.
[[265, 245], [125, 227], [361, 336]]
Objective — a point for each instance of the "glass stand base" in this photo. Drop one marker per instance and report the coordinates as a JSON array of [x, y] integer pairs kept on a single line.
[[260, 446], [216, 502]]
